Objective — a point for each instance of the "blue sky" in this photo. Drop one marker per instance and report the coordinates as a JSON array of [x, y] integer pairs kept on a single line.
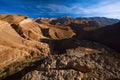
[[59, 8]]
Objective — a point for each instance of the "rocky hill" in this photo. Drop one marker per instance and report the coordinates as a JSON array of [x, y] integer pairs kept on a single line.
[[41, 49]]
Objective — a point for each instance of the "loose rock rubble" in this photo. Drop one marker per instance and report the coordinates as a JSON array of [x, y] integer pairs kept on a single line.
[[71, 67]]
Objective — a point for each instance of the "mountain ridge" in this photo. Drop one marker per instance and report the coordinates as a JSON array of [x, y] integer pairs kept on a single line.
[[102, 21]]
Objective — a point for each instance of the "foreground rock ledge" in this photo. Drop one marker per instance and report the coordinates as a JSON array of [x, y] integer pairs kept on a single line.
[[96, 66]]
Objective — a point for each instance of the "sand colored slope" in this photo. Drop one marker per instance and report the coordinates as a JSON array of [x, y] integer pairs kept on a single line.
[[30, 29], [15, 50], [62, 32], [8, 35], [55, 32], [12, 18]]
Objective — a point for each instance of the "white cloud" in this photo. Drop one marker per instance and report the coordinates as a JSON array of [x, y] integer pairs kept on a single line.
[[105, 9], [108, 8], [56, 8], [111, 10]]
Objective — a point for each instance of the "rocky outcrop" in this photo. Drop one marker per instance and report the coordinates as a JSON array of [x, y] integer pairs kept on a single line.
[[94, 66]]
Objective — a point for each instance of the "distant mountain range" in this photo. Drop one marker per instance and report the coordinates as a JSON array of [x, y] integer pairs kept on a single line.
[[100, 21]]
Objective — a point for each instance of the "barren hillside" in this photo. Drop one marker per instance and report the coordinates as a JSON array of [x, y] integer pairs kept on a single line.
[[58, 49]]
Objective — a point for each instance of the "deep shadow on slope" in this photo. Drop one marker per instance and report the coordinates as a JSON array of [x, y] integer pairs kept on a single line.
[[18, 30], [109, 35], [60, 46], [45, 32]]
